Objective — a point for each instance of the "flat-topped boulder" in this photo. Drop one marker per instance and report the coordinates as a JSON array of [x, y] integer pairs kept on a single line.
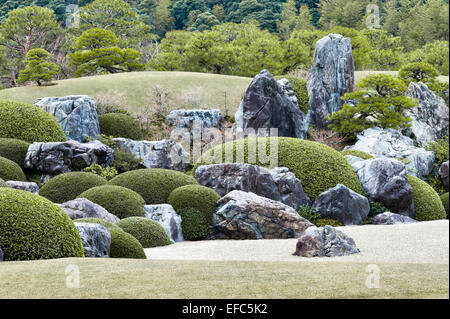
[[96, 239], [76, 114], [84, 208], [24, 186], [389, 218], [166, 216], [245, 215], [62, 157]]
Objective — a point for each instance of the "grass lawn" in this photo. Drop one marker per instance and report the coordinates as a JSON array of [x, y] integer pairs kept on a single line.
[[123, 278]]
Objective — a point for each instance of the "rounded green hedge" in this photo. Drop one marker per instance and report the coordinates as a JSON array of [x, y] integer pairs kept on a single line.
[[29, 123], [2, 183], [119, 125], [202, 198], [194, 224], [68, 186], [124, 245], [10, 171], [321, 222], [153, 184], [148, 232], [32, 227], [427, 203], [444, 200], [357, 153], [117, 200], [317, 166], [14, 150]]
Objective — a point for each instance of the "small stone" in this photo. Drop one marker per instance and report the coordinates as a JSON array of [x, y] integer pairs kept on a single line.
[[443, 173]]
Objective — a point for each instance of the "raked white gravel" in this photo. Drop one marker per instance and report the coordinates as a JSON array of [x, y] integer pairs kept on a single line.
[[423, 242]]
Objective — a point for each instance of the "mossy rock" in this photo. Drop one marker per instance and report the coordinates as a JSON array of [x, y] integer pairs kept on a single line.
[[119, 125], [28, 123], [68, 186], [148, 232], [194, 224], [317, 166], [32, 227], [117, 200], [10, 171], [444, 200], [357, 153], [14, 150], [427, 204], [202, 198], [153, 184]]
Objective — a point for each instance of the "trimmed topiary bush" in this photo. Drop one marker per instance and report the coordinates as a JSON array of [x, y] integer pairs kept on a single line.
[[317, 166], [10, 171], [117, 200], [68, 186], [124, 245], [2, 183], [29, 123], [427, 203], [328, 221], [148, 232], [32, 227], [119, 125], [194, 224], [360, 154], [202, 198], [153, 184], [444, 200], [14, 150]]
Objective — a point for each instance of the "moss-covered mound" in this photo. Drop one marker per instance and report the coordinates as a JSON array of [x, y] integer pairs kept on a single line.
[[68, 186], [10, 171], [119, 125], [2, 183], [318, 166], [153, 184], [31, 227], [28, 123], [117, 200], [124, 245], [202, 198], [193, 223], [444, 199], [427, 203], [148, 232], [14, 150], [357, 153]]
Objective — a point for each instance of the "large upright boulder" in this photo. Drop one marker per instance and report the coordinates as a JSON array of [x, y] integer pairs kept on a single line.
[[269, 104], [245, 215], [430, 117], [278, 184], [77, 115], [62, 157], [330, 77], [385, 180], [392, 144], [165, 154]]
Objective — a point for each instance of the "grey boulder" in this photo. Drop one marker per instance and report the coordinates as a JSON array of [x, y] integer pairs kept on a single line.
[[278, 184], [166, 216], [196, 121], [242, 215], [325, 242], [2, 256], [165, 154], [389, 218], [443, 174], [330, 77], [84, 208], [342, 204], [268, 104], [76, 114], [24, 186], [62, 157], [96, 239]]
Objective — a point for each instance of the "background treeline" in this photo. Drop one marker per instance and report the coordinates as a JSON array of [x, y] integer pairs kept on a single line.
[[238, 37]]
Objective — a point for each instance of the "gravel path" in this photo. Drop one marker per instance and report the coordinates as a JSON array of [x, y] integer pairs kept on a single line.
[[424, 242]]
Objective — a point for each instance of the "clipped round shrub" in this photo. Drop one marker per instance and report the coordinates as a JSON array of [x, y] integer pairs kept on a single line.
[[148, 232], [117, 200], [201, 198], [427, 203], [328, 221], [10, 171], [194, 224], [360, 154], [119, 125], [124, 245], [153, 184], [68, 186], [2, 183], [99, 221], [32, 227], [29, 123], [317, 166], [444, 200], [14, 150]]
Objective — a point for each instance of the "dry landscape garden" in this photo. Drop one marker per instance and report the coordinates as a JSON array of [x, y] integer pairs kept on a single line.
[[156, 149]]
